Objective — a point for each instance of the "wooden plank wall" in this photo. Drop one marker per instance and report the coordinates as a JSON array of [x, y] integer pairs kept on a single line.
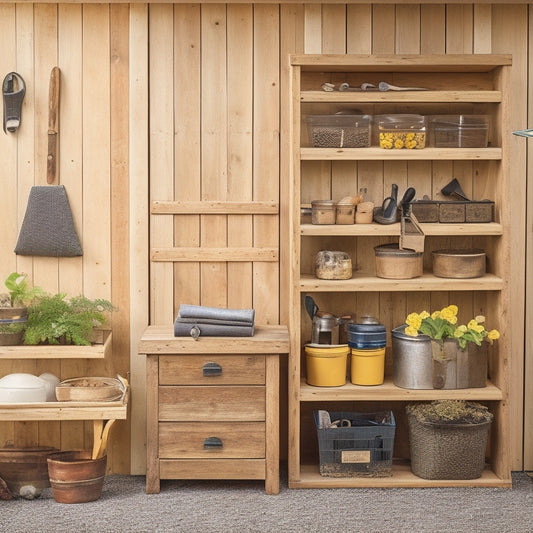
[[228, 94], [188, 101], [90, 45]]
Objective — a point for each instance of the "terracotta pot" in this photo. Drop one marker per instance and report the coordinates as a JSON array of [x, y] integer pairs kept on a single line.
[[25, 470], [75, 477]]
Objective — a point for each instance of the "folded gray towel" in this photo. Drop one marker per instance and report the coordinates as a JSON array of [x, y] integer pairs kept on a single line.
[[243, 316], [197, 320], [211, 330]]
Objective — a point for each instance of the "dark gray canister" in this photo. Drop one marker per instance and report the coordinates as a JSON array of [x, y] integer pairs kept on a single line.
[[411, 360]]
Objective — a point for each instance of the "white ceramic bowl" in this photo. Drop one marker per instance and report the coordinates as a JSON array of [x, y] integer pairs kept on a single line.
[[22, 388]]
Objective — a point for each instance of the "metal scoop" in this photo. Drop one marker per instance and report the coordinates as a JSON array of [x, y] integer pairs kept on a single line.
[[384, 86]]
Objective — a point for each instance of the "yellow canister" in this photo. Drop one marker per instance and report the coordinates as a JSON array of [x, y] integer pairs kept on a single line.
[[326, 366], [367, 366]]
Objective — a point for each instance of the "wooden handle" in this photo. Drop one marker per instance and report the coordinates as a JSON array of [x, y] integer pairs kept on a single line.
[[53, 126]]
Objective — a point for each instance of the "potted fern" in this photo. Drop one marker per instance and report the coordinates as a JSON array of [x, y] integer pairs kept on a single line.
[[13, 308], [56, 319]]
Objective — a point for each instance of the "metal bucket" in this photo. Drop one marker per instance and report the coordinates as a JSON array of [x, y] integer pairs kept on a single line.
[[421, 363]]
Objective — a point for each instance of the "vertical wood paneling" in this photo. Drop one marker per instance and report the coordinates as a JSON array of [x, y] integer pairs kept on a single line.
[[70, 21], [266, 147], [383, 29], [161, 155], [433, 29], [407, 23], [139, 223], [120, 276], [358, 28], [25, 43], [509, 35], [187, 170], [334, 29], [528, 344], [10, 156], [214, 148], [240, 36]]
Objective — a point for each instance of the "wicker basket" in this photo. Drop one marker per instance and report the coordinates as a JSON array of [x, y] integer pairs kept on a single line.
[[89, 389], [447, 451]]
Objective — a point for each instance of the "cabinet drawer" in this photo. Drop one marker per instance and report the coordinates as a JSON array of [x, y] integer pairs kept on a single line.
[[212, 369], [201, 440], [210, 404]]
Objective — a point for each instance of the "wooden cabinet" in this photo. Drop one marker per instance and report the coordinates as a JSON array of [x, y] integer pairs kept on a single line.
[[458, 84], [213, 406]]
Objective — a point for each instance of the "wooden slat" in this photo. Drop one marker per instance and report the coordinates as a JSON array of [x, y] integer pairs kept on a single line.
[[206, 254], [240, 60], [426, 282], [161, 31], [410, 62], [362, 154], [403, 96], [392, 393], [139, 245], [266, 180], [214, 142], [489, 228], [160, 207]]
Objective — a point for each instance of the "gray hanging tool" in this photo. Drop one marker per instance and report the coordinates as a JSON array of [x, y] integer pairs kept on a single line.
[[48, 227]]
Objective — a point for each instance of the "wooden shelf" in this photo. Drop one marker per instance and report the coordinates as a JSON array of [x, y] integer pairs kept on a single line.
[[426, 282], [376, 153], [402, 476], [400, 63], [393, 230], [58, 351], [389, 391], [401, 96], [457, 83], [116, 410]]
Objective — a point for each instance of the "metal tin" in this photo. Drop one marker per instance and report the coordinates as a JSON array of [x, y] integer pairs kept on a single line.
[[459, 264], [367, 336], [323, 212]]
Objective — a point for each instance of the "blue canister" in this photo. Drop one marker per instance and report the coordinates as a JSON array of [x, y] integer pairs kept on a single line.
[[368, 335]]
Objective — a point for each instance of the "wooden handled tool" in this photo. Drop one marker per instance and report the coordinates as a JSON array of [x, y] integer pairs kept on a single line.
[[53, 126]]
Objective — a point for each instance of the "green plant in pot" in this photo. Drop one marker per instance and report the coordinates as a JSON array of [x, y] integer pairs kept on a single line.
[[448, 438], [14, 307], [56, 319]]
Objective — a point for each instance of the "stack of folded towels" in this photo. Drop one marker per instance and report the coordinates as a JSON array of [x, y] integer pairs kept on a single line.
[[197, 320]]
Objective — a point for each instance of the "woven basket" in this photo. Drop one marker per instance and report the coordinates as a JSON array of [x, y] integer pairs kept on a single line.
[[447, 451], [89, 389]]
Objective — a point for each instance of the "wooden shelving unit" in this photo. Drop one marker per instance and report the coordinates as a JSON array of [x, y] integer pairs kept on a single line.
[[63, 410], [457, 84], [59, 351]]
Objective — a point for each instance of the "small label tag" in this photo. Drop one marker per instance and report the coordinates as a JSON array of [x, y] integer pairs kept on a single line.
[[355, 456]]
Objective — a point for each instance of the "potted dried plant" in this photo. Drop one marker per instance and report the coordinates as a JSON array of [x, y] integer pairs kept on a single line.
[[448, 438]]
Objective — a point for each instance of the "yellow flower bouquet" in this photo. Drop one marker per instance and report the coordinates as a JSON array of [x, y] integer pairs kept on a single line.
[[443, 324]]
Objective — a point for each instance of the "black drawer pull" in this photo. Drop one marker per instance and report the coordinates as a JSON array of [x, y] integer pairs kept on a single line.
[[211, 369], [212, 443]]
